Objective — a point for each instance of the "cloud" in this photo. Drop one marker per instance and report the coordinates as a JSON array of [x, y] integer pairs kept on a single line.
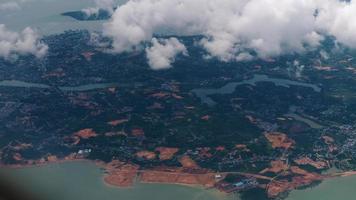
[[339, 19], [26, 42], [107, 5], [234, 28], [9, 6], [162, 53]]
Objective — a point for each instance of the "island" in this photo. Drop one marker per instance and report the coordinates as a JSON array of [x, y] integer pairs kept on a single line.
[[101, 14]]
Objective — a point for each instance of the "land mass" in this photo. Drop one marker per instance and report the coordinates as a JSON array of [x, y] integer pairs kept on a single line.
[[101, 14], [240, 127]]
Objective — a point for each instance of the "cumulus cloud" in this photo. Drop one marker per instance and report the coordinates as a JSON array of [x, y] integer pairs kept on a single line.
[[9, 6], [232, 29], [339, 19], [25, 42], [107, 5], [162, 53]]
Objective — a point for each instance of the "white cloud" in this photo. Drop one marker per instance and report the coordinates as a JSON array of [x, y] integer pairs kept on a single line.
[[26, 42], [339, 19], [162, 53], [9, 6], [232, 27], [107, 5], [244, 56]]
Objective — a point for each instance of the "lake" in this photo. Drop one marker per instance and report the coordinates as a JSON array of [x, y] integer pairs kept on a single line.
[[82, 180]]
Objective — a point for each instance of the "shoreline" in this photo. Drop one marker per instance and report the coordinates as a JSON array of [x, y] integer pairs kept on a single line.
[[103, 167], [122, 175], [109, 169]]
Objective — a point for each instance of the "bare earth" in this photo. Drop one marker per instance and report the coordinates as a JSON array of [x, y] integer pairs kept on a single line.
[[279, 140], [166, 153]]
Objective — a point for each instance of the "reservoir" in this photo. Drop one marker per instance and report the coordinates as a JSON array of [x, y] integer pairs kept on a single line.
[[83, 180], [229, 88]]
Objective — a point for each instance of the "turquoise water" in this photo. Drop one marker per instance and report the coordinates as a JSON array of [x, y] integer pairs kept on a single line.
[[83, 181]]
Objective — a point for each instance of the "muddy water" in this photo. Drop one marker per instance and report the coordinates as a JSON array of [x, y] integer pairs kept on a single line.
[[332, 189], [83, 181]]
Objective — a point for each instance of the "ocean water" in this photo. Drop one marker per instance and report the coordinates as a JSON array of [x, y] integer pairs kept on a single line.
[[45, 15]]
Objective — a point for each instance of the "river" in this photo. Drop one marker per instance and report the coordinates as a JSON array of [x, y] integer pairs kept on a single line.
[[80, 88]]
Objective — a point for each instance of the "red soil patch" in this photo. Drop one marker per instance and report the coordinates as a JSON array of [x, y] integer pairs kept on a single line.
[[275, 188], [166, 153], [119, 173], [220, 148], [117, 122], [17, 157], [86, 133], [187, 162], [52, 159], [308, 161], [279, 140], [276, 167], [242, 147], [301, 178], [178, 176], [148, 155], [137, 132], [160, 95]]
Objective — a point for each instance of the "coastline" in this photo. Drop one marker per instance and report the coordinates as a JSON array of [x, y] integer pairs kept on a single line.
[[111, 169], [122, 175]]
